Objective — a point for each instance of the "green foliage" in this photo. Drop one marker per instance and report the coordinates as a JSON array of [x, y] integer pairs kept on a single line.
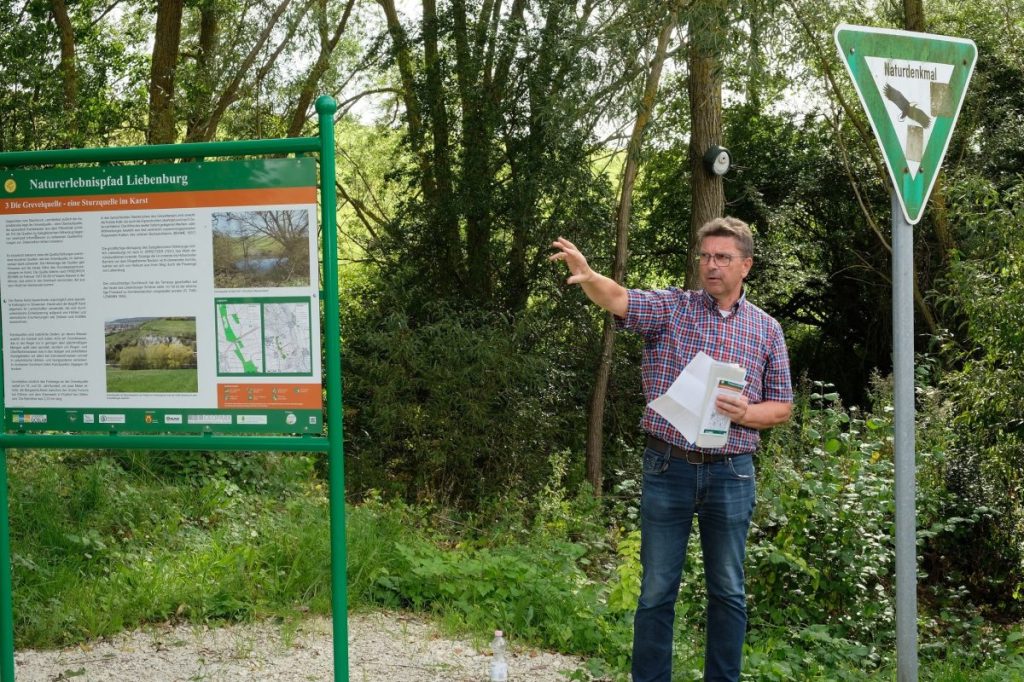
[[461, 407], [153, 344], [626, 588], [985, 289], [820, 561], [132, 357], [152, 380], [110, 77], [823, 527], [536, 578], [98, 547], [103, 543], [259, 472], [157, 356], [468, 363]]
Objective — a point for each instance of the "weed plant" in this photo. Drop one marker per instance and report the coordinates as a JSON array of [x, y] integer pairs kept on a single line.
[[104, 542], [98, 547]]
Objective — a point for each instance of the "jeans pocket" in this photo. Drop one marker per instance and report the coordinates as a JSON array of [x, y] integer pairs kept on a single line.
[[655, 463], [741, 468]]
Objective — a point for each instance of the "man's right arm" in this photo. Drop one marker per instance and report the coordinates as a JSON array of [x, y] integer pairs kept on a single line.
[[602, 290]]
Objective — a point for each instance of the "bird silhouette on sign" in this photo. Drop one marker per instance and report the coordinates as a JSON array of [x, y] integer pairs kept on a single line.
[[907, 110]]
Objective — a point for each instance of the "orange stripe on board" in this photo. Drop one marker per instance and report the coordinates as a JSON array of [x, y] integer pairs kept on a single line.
[[269, 396], [160, 200]]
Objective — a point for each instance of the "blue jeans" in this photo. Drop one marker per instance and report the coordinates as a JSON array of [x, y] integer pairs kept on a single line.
[[721, 494]]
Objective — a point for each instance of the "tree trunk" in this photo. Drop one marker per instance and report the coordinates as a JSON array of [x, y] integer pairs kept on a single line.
[[705, 90], [476, 187], [165, 62], [913, 18], [68, 69], [913, 12], [209, 31], [403, 57], [410, 98], [230, 93], [531, 152], [595, 419], [940, 220], [755, 76], [442, 211], [316, 72]]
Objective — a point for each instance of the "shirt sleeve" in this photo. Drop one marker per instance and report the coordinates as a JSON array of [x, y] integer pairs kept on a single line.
[[648, 312], [777, 384]]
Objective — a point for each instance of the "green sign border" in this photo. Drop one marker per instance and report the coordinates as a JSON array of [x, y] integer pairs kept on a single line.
[[857, 42], [155, 420], [330, 441], [198, 177]]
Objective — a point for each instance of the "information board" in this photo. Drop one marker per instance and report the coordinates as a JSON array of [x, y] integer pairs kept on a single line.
[[161, 298]]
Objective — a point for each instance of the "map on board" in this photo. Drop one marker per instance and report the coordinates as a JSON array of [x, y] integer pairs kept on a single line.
[[286, 338], [239, 338]]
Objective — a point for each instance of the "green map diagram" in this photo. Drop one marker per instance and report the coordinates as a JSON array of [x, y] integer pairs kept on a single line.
[[239, 338], [286, 347], [264, 337]]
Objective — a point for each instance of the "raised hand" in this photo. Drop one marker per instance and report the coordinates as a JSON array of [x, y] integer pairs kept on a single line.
[[580, 272]]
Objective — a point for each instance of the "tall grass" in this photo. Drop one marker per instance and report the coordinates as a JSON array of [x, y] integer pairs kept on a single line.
[[96, 548], [102, 543], [152, 380]]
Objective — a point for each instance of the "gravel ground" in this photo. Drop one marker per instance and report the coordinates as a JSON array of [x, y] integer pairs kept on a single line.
[[386, 647]]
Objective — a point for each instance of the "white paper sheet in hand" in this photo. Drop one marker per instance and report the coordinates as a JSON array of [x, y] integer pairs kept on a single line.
[[689, 403], [681, 404]]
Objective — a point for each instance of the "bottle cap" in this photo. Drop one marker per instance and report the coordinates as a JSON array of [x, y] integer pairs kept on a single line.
[[498, 633]]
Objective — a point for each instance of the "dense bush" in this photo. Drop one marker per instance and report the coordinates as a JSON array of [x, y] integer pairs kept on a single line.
[[100, 545], [103, 543], [157, 356], [822, 546], [984, 289], [458, 405]]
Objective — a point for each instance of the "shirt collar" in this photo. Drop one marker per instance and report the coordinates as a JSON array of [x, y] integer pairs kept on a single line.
[[711, 304]]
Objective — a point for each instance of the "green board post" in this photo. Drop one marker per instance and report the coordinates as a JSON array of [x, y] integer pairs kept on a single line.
[[330, 443], [326, 107], [6, 594]]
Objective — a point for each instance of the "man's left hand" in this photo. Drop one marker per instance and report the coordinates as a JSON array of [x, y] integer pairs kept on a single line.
[[733, 407]]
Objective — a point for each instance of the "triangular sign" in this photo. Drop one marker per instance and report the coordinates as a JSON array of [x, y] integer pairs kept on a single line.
[[912, 86]]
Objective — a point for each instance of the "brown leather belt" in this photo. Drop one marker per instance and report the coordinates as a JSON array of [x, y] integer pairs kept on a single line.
[[676, 452]]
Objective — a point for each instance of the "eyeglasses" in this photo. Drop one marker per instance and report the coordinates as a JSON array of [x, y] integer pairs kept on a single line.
[[721, 259]]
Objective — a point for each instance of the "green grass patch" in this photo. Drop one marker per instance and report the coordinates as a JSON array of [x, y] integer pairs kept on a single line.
[[183, 329], [107, 542], [166, 327], [152, 380], [98, 547], [237, 248]]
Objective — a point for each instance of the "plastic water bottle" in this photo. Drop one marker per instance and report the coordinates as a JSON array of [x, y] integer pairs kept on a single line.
[[499, 666]]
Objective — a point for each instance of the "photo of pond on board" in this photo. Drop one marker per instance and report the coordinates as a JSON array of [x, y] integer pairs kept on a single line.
[[261, 249]]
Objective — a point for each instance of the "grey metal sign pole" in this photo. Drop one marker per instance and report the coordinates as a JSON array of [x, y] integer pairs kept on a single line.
[[903, 398], [890, 69]]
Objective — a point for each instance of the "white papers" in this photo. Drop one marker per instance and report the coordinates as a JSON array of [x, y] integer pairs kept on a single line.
[[689, 403]]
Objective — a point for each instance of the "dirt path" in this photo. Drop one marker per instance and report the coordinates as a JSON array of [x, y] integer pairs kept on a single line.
[[383, 647]]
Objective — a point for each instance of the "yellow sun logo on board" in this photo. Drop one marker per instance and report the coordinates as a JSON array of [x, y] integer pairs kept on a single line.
[[10, 185]]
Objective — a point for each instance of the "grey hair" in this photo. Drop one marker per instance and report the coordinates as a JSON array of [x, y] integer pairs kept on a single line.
[[729, 227]]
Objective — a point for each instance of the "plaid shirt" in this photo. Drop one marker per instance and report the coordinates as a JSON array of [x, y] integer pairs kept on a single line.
[[676, 324]]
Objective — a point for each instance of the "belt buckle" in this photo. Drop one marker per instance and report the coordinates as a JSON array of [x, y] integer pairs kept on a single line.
[[694, 453]]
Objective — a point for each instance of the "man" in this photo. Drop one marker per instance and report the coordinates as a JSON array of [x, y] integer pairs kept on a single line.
[[681, 480]]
